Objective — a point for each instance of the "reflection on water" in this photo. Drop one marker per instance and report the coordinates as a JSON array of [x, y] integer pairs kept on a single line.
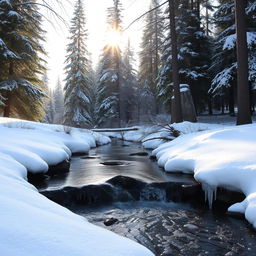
[[91, 170]]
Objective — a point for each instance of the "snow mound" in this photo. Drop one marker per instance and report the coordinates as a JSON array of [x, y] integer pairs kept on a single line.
[[224, 157], [38, 145], [30, 222], [155, 139]]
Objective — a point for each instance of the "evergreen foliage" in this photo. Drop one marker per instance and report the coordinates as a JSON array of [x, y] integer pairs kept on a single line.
[[21, 36], [78, 80], [110, 72], [150, 55], [128, 87], [193, 56], [224, 64], [58, 103]]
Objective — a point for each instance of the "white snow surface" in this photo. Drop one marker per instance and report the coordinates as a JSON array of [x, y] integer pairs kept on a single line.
[[151, 141], [30, 223], [223, 157], [37, 145], [153, 136]]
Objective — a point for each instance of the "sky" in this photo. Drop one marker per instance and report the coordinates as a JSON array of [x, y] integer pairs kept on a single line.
[[95, 11]]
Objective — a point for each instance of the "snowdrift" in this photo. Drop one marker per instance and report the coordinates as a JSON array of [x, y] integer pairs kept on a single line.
[[224, 157], [30, 223]]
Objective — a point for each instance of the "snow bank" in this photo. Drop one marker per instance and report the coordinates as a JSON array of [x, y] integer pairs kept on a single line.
[[151, 141], [224, 157], [153, 136], [30, 223], [133, 136], [37, 145]]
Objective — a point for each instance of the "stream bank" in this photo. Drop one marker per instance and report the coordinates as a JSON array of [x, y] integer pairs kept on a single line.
[[165, 212]]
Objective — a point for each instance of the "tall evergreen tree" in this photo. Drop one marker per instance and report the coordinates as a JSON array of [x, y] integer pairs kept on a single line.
[[110, 71], [128, 86], [150, 55], [58, 103], [78, 80], [193, 56], [224, 65], [20, 55], [49, 107]]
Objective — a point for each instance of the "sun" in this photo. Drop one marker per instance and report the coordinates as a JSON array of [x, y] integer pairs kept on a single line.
[[113, 38]]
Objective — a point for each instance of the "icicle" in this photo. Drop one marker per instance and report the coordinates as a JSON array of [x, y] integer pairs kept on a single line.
[[210, 193]]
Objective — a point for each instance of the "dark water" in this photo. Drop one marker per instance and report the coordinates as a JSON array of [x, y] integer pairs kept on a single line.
[[164, 228], [176, 229], [91, 170]]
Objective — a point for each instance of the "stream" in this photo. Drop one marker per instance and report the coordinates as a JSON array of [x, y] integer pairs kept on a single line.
[[143, 206]]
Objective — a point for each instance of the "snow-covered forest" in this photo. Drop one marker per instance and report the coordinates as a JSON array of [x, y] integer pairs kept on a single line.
[[153, 140], [123, 90]]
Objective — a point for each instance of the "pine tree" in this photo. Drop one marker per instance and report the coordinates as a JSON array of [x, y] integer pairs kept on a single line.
[[224, 66], [58, 103], [110, 72], [128, 87], [21, 65], [193, 56], [48, 114], [194, 52], [78, 80], [251, 38], [150, 55], [49, 108]]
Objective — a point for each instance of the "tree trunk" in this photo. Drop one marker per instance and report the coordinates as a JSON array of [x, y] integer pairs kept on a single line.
[[243, 99], [209, 100], [231, 103], [207, 18], [192, 4], [176, 111], [156, 63], [198, 9], [7, 107]]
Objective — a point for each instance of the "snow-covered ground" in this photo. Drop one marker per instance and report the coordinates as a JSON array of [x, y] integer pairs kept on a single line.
[[30, 223], [153, 136], [223, 157], [36, 145]]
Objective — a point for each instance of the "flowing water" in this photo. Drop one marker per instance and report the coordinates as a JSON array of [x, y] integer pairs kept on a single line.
[[110, 160], [166, 228]]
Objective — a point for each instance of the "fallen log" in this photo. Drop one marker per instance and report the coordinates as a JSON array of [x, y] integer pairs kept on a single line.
[[116, 129]]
